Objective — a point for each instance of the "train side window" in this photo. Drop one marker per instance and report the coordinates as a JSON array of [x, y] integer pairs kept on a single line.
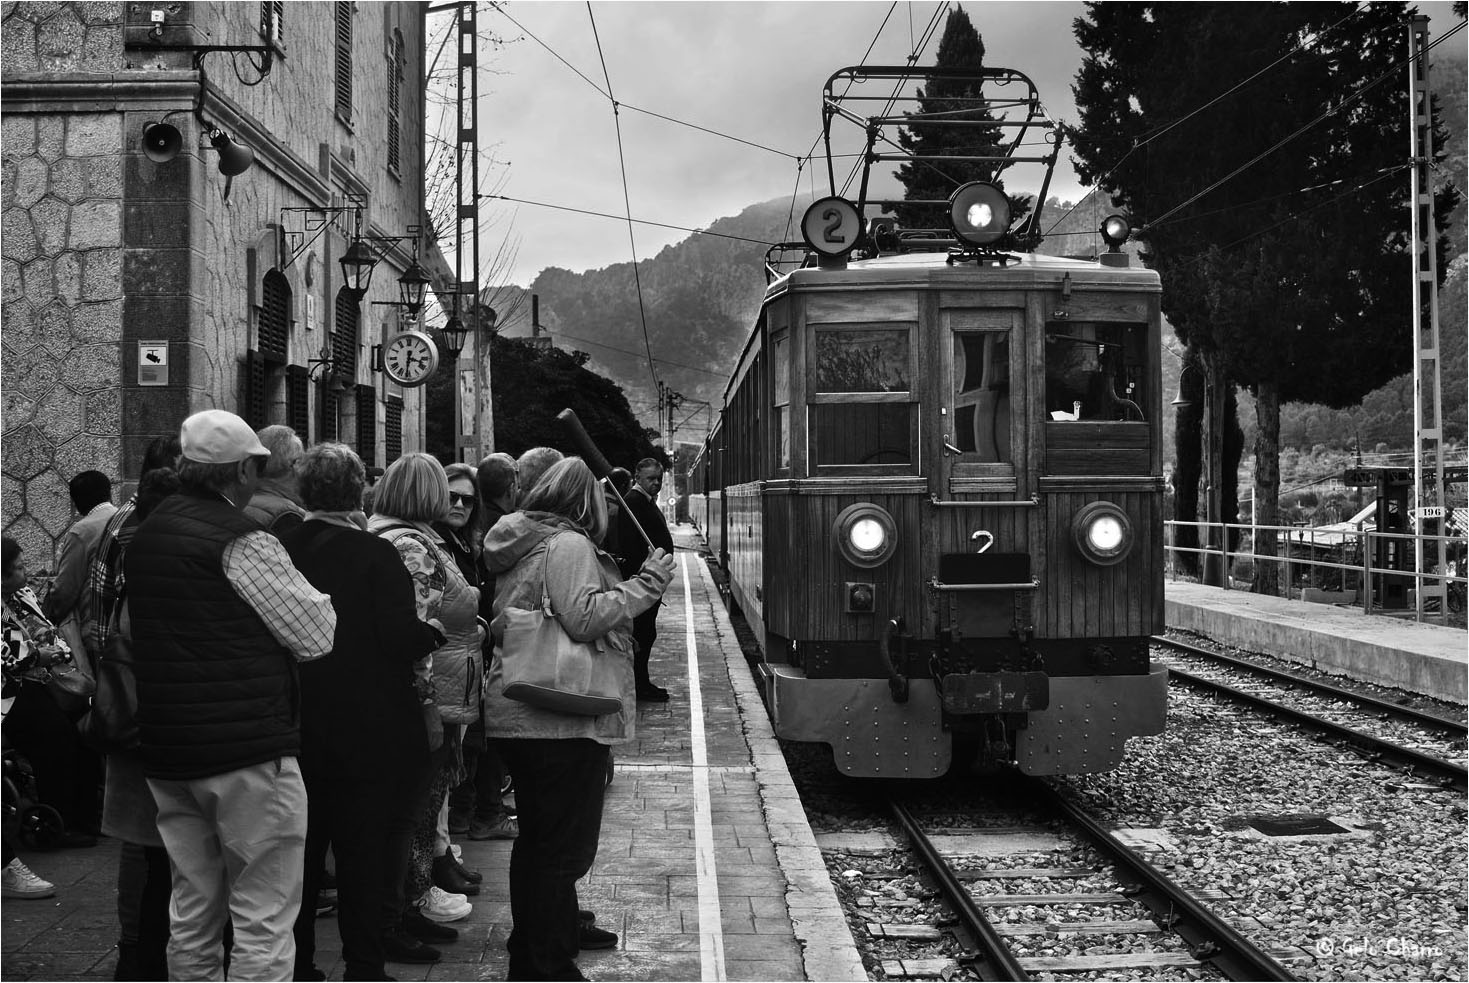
[[1096, 371], [780, 370], [981, 403], [863, 412]]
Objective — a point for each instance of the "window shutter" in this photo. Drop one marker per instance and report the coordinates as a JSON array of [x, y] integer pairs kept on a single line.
[[344, 60], [274, 327], [367, 424], [272, 14], [298, 415], [344, 337], [327, 401], [395, 88], [393, 429], [254, 389]]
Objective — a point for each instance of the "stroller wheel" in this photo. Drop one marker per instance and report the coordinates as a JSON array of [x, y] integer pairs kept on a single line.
[[41, 827]]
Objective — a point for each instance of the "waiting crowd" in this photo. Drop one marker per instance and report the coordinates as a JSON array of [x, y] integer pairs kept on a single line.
[[319, 662]]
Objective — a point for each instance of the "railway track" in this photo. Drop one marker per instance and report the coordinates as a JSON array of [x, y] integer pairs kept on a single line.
[[1119, 913], [1279, 695]]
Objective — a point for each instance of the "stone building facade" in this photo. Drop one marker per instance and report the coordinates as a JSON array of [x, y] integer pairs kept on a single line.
[[139, 289]]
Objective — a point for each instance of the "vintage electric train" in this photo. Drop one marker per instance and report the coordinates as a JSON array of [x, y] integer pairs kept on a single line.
[[936, 488]]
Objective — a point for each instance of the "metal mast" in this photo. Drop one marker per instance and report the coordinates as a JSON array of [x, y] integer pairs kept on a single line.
[[474, 426], [1428, 465]]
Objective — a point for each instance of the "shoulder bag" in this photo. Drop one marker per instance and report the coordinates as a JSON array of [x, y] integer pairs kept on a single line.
[[545, 668], [112, 725]]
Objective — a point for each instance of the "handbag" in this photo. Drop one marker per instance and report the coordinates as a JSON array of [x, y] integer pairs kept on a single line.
[[112, 725], [545, 668]]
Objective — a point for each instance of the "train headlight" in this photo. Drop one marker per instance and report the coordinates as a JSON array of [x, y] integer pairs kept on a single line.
[[1102, 533], [865, 534], [1115, 230], [979, 213]]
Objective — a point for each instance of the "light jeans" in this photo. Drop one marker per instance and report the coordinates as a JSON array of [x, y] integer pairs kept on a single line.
[[237, 843]]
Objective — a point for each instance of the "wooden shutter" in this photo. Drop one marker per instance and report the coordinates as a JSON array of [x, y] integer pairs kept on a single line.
[[344, 60], [274, 323], [272, 20], [395, 88], [254, 408], [298, 414], [393, 429], [367, 424], [344, 336], [326, 400]]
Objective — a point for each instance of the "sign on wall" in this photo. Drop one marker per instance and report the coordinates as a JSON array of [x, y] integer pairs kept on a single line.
[[152, 363]]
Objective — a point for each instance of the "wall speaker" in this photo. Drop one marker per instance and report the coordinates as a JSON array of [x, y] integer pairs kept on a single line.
[[161, 142]]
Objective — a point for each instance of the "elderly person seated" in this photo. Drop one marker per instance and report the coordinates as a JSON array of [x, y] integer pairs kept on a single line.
[[364, 754]]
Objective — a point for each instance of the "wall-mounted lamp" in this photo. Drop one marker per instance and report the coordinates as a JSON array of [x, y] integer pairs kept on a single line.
[[412, 284], [234, 158], [453, 335], [325, 369]]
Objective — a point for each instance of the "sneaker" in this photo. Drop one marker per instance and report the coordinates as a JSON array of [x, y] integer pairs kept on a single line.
[[18, 881], [504, 828], [648, 693], [508, 787], [438, 905]]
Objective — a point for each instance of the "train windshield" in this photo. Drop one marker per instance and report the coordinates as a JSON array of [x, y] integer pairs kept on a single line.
[[1095, 371], [863, 409]]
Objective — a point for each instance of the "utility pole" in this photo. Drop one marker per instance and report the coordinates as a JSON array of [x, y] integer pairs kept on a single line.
[[1428, 486], [474, 423]]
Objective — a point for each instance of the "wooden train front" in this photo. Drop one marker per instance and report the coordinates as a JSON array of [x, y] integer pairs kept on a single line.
[[941, 510]]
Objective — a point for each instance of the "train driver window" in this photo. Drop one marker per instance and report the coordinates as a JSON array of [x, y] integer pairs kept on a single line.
[[780, 376], [1095, 371], [982, 396], [862, 411]]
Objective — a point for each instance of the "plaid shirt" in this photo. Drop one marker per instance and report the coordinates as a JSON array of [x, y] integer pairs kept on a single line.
[[299, 616]]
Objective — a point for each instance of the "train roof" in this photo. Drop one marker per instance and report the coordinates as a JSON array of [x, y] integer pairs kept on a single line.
[[1021, 270]]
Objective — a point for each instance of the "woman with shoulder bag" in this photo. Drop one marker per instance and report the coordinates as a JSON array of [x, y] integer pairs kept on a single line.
[[549, 553], [413, 494], [36, 657]]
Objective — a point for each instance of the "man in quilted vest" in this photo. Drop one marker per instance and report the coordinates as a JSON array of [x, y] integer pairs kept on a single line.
[[219, 618]]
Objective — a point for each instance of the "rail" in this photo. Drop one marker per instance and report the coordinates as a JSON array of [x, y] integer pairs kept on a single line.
[[1330, 565]]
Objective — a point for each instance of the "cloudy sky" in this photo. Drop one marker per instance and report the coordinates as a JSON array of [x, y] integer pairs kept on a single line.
[[751, 70]]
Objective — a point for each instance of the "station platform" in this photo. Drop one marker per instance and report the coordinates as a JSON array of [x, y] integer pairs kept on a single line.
[[1431, 660], [707, 868]]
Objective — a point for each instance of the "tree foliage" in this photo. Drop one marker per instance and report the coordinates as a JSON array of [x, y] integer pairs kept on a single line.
[[530, 385], [1275, 212], [960, 47]]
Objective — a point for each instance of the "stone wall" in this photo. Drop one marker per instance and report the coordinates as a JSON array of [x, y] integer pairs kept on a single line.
[[61, 229]]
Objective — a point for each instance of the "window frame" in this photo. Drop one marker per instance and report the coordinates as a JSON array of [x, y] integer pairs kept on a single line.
[[909, 397]]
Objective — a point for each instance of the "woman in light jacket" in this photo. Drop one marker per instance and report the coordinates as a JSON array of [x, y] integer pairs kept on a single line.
[[412, 495], [559, 760]]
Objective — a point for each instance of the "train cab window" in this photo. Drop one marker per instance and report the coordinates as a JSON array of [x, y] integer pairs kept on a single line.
[[863, 411], [780, 377], [1096, 371], [981, 403]]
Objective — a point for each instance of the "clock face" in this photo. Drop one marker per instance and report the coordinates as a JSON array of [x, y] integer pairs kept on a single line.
[[410, 357]]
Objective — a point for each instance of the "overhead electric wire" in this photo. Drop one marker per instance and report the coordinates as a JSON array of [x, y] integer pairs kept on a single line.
[[1348, 101], [627, 203], [1157, 132], [624, 218], [606, 94]]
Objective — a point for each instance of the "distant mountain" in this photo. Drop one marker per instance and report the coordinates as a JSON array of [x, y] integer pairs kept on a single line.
[[699, 299]]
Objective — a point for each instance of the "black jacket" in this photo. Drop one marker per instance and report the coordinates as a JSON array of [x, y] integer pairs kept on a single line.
[[216, 691]]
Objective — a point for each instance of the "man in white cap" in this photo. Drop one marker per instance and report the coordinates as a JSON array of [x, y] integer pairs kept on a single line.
[[219, 617]]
